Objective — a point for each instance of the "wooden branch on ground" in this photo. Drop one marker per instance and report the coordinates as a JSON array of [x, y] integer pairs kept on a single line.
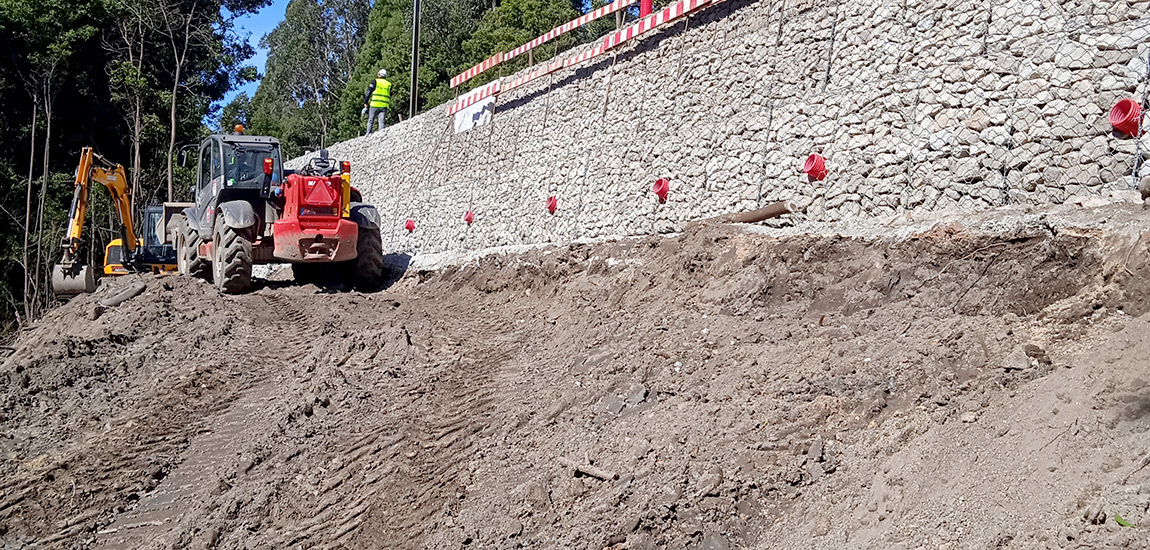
[[774, 210], [587, 469]]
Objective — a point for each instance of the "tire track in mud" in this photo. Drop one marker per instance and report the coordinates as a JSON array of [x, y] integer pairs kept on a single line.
[[414, 458], [440, 407], [169, 514], [469, 409], [464, 414], [137, 428]]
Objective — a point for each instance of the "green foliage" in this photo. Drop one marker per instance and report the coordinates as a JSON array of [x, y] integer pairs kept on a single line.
[[48, 33], [443, 36], [238, 111], [454, 36], [387, 45], [516, 22], [310, 57], [94, 63]]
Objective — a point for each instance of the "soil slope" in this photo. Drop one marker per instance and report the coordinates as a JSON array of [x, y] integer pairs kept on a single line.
[[959, 385]]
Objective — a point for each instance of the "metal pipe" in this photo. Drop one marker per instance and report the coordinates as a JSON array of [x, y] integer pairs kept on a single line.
[[414, 60]]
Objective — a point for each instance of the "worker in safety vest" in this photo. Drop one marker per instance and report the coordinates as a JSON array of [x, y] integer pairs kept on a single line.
[[377, 100]]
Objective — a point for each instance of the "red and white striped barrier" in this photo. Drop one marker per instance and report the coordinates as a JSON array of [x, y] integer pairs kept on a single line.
[[474, 97], [655, 20], [544, 70], [589, 54], [663, 16], [474, 71], [540, 40]]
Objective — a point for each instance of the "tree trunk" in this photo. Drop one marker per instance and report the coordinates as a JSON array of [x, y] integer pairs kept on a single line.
[[179, 57], [28, 209], [172, 135], [43, 187], [321, 111], [137, 120], [137, 134]]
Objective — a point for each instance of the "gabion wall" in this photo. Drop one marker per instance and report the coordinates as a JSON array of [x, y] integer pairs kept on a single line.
[[916, 105]]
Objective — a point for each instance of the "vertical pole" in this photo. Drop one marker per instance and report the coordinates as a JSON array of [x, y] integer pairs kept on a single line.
[[645, 7], [415, 59]]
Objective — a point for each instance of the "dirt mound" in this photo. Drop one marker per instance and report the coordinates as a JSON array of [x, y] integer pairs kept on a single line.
[[723, 388]]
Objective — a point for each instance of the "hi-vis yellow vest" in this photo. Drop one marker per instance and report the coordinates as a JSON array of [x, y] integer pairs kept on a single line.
[[381, 96]]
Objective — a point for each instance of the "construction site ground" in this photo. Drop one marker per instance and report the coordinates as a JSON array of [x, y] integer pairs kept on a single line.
[[953, 381]]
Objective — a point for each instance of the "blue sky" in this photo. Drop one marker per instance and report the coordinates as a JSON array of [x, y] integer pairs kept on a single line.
[[256, 26]]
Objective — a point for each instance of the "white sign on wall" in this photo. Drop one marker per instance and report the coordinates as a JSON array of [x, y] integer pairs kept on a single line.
[[474, 115]]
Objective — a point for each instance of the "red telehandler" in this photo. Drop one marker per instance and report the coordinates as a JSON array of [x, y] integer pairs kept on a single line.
[[248, 211]]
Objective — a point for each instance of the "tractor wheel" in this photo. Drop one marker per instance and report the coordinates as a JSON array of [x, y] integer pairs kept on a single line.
[[188, 260], [232, 258], [181, 246], [368, 262]]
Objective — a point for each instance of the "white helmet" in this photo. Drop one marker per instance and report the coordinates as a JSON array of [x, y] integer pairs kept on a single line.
[[382, 73]]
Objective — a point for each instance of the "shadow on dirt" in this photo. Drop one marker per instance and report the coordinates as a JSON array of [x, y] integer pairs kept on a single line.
[[394, 268], [331, 281]]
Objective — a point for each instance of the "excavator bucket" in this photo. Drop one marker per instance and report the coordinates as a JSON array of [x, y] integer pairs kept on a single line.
[[68, 281]]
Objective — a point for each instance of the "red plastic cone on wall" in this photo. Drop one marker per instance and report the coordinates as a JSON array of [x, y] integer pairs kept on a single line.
[[1126, 116], [661, 188], [552, 204], [815, 167], [469, 217], [409, 225]]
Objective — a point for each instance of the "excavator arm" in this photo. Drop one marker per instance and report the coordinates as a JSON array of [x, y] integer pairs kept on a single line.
[[70, 276]]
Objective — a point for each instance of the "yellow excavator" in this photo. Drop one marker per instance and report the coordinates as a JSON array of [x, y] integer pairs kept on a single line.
[[127, 254]]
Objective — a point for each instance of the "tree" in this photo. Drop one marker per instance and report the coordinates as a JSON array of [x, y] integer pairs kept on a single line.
[[347, 28], [132, 87], [130, 78], [445, 26], [310, 55], [235, 112], [46, 33], [182, 36], [516, 22]]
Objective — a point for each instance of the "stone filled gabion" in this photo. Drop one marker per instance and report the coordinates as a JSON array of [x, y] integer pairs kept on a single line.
[[921, 105]]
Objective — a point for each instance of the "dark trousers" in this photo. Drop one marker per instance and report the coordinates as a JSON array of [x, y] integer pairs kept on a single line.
[[374, 112]]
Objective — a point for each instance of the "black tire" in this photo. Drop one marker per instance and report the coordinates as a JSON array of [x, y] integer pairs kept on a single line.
[[232, 258], [368, 274], [180, 244], [188, 259]]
